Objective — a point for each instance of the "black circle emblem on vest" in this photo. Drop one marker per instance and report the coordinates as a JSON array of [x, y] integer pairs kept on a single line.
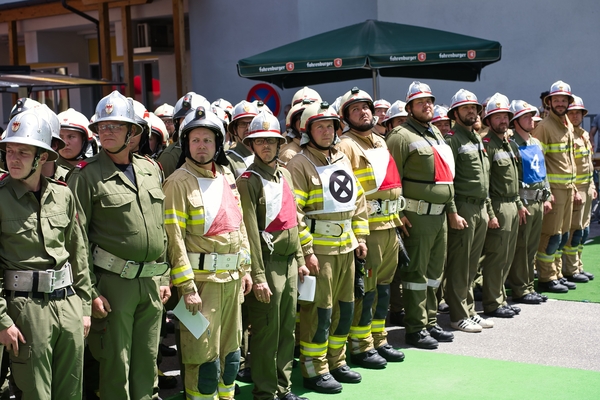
[[341, 186]]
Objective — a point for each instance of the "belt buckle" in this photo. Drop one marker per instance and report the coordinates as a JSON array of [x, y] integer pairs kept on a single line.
[[128, 265], [339, 225], [419, 205], [213, 266], [52, 280], [392, 207], [401, 203]]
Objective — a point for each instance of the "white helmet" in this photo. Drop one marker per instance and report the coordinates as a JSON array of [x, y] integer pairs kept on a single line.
[[295, 112], [519, 108], [115, 107], [243, 109], [261, 106], [317, 111], [381, 103], [23, 104], [164, 111], [225, 106], [462, 98], [45, 112], [336, 104], [264, 125], [31, 128], [559, 88], [536, 117], [189, 101], [418, 90], [142, 115], [76, 121], [203, 118], [305, 93], [396, 110], [498, 103], [440, 113], [577, 104]]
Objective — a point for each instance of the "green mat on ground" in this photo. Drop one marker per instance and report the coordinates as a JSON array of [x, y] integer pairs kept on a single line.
[[588, 292], [433, 375]]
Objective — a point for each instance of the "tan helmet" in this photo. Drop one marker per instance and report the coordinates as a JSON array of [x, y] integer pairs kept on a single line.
[[519, 108], [264, 125], [440, 113], [164, 111], [159, 128], [317, 111], [577, 104], [354, 95], [396, 110], [115, 107], [559, 88], [418, 90], [462, 98], [305, 93], [498, 103], [32, 128], [295, 112]]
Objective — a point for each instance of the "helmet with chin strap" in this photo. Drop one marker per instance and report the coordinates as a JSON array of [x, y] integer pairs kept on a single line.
[[76, 121], [202, 118], [116, 107], [318, 111]]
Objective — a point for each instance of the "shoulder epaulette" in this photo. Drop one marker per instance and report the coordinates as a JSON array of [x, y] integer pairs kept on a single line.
[[246, 174], [450, 133], [485, 140], [81, 164], [4, 176]]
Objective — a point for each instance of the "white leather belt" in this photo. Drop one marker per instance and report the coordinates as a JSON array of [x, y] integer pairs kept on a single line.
[[125, 268], [422, 207], [386, 207], [213, 261], [38, 281], [328, 228]]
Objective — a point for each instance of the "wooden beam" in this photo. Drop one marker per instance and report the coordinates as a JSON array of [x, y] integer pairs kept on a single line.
[[127, 50], [51, 9], [179, 39], [13, 49], [105, 61]]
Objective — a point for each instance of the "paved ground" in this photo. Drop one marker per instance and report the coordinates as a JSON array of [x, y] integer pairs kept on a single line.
[[569, 328]]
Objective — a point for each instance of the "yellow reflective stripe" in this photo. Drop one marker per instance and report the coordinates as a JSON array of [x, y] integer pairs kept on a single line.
[[313, 349], [337, 342], [570, 251], [360, 332], [378, 325], [226, 390], [305, 236], [558, 254], [543, 257], [314, 197], [584, 178], [557, 147], [343, 240], [301, 197], [297, 317], [561, 178], [196, 217], [382, 218], [360, 228], [181, 274], [193, 395], [175, 217]]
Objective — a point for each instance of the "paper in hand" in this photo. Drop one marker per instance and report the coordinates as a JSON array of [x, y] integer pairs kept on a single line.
[[196, 324], [307, 289]]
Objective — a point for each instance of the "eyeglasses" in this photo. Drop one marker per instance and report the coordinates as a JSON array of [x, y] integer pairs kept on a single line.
[[261, 141], [243, 124], [111, 127], [168, 121]]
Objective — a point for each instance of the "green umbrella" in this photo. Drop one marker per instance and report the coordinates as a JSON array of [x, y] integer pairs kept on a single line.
[[363, 50]]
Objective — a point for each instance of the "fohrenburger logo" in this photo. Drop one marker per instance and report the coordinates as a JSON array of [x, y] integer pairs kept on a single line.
[[289, 66], [471, 54], [337, 62], [422, 56]]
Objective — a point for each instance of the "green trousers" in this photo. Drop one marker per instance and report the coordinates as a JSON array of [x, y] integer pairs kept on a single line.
[[426, 248], [273, 327], [464, 250], [126, 341], [50, 363], [498, 254], [521, 274]]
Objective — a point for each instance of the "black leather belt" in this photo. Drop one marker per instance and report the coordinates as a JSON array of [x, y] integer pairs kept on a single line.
[[55, 295]]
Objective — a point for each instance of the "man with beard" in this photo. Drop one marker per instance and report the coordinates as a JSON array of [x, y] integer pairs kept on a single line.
[[556, 134], [426, 166], [377, 173], [507, 209], [467, 213], [535, 194]]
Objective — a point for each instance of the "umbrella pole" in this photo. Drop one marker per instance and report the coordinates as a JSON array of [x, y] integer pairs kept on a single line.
[[375, 84]]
